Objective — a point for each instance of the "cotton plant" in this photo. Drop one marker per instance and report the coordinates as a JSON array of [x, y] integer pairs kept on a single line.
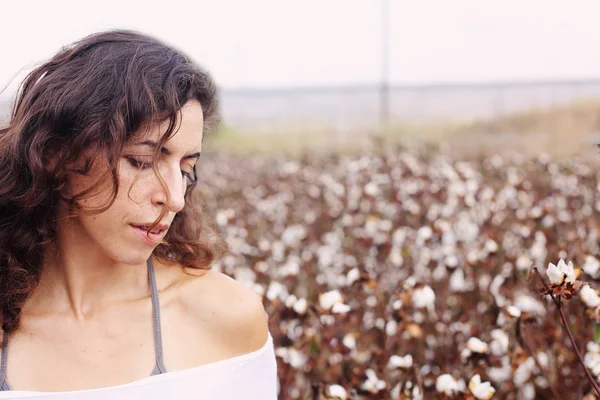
[[314, 238], [563, 280], [447, 385], [563, 285], [423, 297], [474, 346], [400, 362], [333, 301], [336, 392], [561, 273], [481, 390]]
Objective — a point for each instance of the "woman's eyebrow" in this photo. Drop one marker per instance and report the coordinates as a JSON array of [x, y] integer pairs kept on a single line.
[[164, 150]]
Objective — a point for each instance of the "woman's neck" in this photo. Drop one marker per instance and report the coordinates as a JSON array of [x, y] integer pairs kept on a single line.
[[79, 281]]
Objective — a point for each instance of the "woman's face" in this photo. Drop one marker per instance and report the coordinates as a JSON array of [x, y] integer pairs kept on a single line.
[[120, 232]]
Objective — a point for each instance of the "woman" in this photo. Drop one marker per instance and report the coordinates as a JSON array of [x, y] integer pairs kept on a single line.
[[105, 282]]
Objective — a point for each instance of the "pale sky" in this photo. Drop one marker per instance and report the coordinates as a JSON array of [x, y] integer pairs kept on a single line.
[[266, 43]]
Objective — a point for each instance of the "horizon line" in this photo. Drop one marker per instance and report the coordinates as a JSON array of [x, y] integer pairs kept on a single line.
[[412, 86]]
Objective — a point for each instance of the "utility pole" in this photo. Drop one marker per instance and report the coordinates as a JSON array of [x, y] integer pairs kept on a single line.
[[384, 97]]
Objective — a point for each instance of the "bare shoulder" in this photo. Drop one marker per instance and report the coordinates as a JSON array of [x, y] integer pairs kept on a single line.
[[233, 312]]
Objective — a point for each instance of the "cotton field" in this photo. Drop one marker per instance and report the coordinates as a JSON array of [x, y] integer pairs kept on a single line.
[[409, 275]]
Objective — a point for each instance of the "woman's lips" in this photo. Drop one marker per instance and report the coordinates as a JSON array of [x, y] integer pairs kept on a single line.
[[149, 237]]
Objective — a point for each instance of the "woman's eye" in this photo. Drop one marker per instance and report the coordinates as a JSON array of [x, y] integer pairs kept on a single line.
[[189, 176], [138, 164]]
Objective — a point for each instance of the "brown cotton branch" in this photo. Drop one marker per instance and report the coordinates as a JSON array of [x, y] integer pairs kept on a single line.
[[542, 370], [558, 304]]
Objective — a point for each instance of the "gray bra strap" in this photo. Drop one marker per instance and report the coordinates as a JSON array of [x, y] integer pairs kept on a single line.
[[4, 361], [160, 366]]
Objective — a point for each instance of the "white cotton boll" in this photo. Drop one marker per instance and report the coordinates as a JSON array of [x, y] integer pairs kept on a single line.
[[554, 274], [589, 297], [290, 301], [503, 373], [491, 246], [472, 257], [591, 360], [499, 343], [340, 308], [347, 220], [223, 216], [501, 320], [326, 255], [328, 299], [352, 276], [397, 304], [424, 298], [476, 345], [291, 356], [310, 217], [301, 306], [349, 341], [290, 268], [337, 392], [395, 257], [592, 266], [244, 275], [373, 384], [548, 221], [451, 261], [567, 270], [290, 168], [395, 392], [424, 233], [372, 189], [439, 273], [484, 281], [293, 234], [465, 354], [229, 261], [417, 394], [528, 392], [523, 263], [371, 301], [496, 284], [264, 245], [371, 226], [258, 289], [396, 361], [542, 382], [398, 237], [391, 327], [523, 372], [314, 191], [596, 369], [276, 291], [593, 347], [543, 359], [513, 311], [528, 304], [458, 282], [535, 212], [385, 225], [277, 251], [409, 282], [481, 390], [447, 385], [562, 254]]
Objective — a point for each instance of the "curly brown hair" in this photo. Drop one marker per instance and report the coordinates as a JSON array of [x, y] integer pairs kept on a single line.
[[86, 103]]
